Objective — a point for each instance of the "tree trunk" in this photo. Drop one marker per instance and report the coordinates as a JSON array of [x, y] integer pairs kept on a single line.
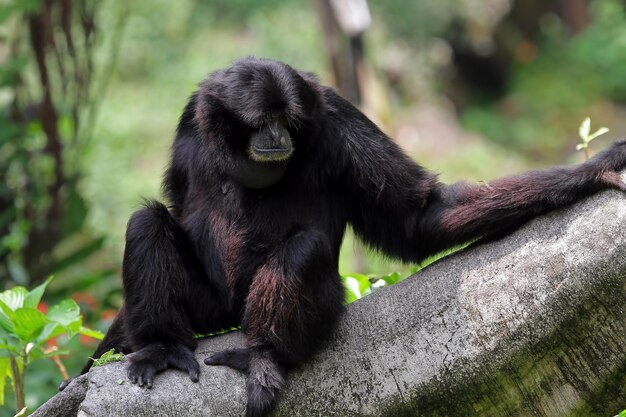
[[532, 325]]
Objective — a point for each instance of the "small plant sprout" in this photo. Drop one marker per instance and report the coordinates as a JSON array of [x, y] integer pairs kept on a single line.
[[584, 131]]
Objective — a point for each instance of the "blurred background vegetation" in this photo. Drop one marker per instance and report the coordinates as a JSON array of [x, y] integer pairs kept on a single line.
[[90, 94]]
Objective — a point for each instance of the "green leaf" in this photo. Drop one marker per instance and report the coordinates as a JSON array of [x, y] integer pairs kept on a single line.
[[392, 278], [91, 333], [352, 287], [583, 130], [14, 298], [34, 296], [581, 146], [49, 331], [64, 318], [363, 280], [598, 132], [6, 317], [66, 313], [29, 322]]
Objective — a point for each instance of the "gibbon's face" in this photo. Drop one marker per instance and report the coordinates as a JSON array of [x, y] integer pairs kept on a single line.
[[268, 149], [261, 110]]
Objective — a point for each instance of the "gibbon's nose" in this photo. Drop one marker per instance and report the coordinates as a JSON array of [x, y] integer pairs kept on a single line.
[[278, 135]]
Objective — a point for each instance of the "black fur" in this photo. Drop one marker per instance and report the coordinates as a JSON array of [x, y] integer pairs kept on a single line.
[[224, 254]]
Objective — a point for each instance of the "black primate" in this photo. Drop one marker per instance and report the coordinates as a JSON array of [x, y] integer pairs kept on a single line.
[[268, 168]]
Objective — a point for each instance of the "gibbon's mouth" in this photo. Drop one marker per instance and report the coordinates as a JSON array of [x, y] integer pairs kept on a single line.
[[270, 154], [276, 150]]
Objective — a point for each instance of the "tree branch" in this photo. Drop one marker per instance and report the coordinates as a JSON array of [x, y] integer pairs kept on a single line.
[[534, 324]]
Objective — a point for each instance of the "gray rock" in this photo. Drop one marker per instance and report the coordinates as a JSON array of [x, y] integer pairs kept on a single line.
[[66, 403], [531, 325]]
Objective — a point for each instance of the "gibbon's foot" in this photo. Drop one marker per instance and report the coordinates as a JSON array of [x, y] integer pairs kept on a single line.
[[238, 359], [265, 377], [155, 358]]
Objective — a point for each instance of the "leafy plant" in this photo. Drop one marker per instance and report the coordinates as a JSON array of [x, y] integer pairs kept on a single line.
[[584, 131], [24, 330]]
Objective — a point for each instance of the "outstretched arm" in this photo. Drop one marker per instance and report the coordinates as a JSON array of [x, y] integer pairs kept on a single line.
[[398, 207], [383, 190], [463, 212]]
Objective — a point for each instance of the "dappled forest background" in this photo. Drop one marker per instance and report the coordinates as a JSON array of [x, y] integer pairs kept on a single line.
[[90, 94]]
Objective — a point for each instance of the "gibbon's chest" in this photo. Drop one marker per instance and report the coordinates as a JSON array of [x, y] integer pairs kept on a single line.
[[245, 226], [265, 216]]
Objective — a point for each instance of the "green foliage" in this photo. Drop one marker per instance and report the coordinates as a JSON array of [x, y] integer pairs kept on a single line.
[[568, 78], [24, 330], [584, 131], [622, 414], [108, 357], [358, 285], [40, 204]]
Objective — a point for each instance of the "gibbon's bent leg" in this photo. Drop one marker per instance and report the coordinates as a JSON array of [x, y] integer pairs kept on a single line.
[[462, 212], [161, 274], [294, 303]]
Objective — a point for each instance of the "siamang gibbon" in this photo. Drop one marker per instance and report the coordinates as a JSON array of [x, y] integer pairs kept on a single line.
[[267, 169]]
